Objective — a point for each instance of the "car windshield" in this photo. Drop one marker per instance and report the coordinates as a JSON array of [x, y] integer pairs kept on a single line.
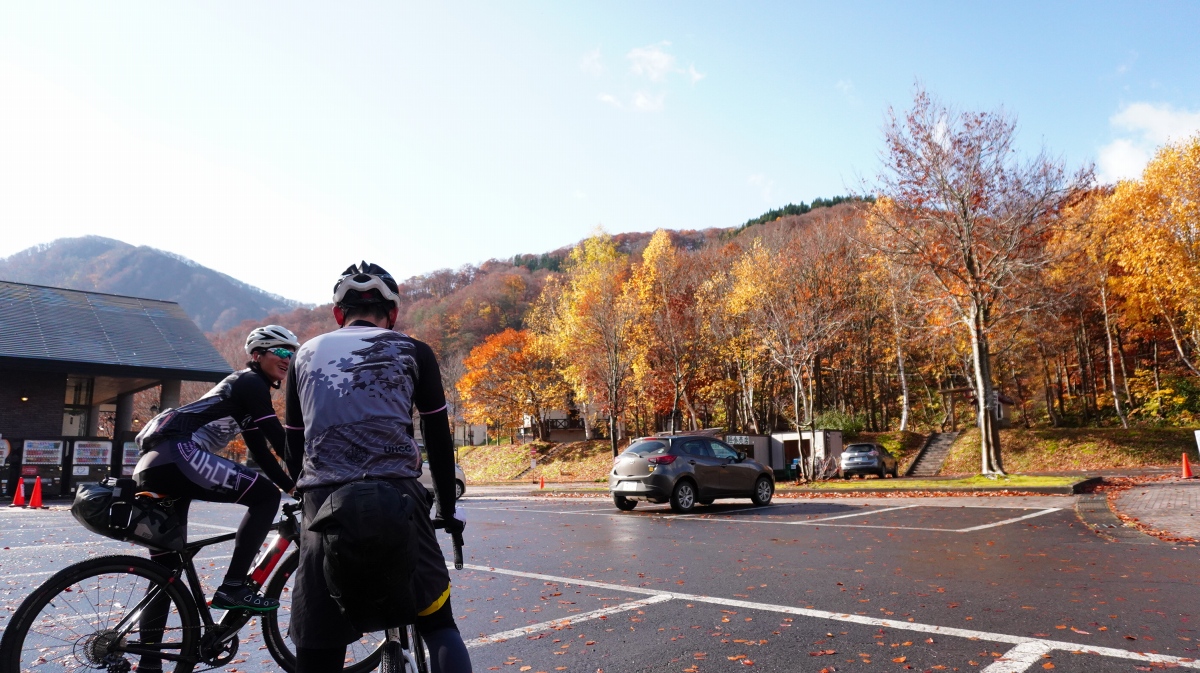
[[860, 448], [647, 447]]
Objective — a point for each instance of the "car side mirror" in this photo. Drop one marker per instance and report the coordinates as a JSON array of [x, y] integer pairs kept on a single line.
[[741, 455]]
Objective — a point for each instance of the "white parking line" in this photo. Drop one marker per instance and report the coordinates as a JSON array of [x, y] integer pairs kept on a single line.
[[1048, 645], [1007, 521], [1019, 659], [713, 518], [862, 513], [555, 624]]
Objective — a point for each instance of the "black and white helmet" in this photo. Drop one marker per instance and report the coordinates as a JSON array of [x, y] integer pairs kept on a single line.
[[355, 286], [271, 336]]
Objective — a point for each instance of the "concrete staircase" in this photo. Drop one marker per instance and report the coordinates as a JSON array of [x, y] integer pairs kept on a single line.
[[933, 454]]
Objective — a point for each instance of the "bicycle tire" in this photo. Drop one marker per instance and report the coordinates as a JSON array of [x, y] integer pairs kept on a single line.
[[275, 632], [119, 581], [393, 659]]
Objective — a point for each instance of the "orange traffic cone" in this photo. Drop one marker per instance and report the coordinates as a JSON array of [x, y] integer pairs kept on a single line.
[[1187, 468], [19, 496], [35, 500], [542, 482]]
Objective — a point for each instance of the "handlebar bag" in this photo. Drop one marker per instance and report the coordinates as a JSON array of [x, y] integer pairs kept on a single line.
[[368, 535], [111, 509]]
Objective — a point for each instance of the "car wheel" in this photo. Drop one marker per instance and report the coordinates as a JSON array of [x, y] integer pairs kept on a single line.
[[459, 489], [624, 504], [683, 498], [883, 473], [896, 472], [763, 490]]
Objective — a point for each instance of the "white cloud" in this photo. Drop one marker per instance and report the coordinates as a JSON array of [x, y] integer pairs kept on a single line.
[[694, 74], [609, 99], [764, 185], [845, 86], [649, 102], [592, 63], [652, 62], [1144, 127]]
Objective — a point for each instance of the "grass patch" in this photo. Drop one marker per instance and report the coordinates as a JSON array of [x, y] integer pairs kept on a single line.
[[1012, 481], [1075, 449]]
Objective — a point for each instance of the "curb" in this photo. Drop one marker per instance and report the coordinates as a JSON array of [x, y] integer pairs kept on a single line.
[[1094, 512]]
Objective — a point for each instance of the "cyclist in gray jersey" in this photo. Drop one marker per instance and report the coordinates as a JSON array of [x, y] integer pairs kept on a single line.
[[350, 400]]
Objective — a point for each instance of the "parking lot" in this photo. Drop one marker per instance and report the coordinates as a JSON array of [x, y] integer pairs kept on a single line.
[[572, 584]]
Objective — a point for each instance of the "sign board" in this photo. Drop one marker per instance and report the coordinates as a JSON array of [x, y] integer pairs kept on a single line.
[[1198, 439], [80, 470], [29, 470], [130, 454], [42, 452], [739, 440], [5, 447], [92, 453]]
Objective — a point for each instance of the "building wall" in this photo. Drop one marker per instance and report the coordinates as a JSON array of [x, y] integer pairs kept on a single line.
[[39, 418]]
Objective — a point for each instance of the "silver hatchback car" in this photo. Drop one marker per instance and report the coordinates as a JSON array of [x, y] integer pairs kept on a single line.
[[460, 480], [685, 470]]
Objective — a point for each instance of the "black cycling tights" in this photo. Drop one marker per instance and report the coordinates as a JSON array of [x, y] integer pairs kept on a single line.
[[261, 500]]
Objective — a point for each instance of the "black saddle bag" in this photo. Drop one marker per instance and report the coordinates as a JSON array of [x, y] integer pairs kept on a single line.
[[369, 539], [112, 508]]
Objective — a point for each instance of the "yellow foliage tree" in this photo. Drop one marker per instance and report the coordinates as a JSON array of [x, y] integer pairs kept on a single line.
[[586, 323], [1159, 242]]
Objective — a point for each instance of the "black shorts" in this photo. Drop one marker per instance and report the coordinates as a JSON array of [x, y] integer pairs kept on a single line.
[[317, 622]]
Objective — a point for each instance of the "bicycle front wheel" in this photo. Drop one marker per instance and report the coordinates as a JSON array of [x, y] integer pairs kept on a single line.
[[361, 656], [85, 618]]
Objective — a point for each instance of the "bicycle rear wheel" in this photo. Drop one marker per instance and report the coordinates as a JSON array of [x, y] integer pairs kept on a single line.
[[404, 654], [361, 656], [83, 618]]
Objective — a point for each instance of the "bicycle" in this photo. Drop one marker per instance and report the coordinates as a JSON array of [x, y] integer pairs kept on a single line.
[[404, 651], [86, 616]]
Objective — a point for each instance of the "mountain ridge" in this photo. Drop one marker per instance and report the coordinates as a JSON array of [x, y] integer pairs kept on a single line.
[[214, 300]]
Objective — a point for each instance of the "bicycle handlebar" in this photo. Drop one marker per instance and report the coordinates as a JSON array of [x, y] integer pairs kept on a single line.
[[457, 539]]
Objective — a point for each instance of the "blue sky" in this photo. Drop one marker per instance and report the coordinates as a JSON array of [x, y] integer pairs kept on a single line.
[[279, 142]]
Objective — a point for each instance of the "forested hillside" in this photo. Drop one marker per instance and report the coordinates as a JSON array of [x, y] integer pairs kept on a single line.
[[93, 263]]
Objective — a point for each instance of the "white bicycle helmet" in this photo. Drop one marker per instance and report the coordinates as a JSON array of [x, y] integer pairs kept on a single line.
[[362, 279], [271, 336]]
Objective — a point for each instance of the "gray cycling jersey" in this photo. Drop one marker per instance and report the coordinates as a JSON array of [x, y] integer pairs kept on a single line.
[[352, 392]]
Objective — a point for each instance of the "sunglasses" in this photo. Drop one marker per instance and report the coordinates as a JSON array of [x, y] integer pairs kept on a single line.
[[284, 353]]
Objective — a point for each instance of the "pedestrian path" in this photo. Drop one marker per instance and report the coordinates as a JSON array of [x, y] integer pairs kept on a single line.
[[1172, 506]]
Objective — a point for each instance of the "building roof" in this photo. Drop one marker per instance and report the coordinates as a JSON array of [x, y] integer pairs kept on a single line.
[[55, 329]]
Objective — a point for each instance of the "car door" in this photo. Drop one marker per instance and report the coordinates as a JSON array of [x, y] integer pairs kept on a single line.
[[707, 469], [738, 477]]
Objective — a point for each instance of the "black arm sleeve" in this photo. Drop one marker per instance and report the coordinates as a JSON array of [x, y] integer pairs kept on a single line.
[[256, 444], [435, 428], [430, 401], [293, 417]]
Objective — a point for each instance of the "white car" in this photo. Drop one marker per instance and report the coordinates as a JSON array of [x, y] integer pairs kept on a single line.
[[460, 480]]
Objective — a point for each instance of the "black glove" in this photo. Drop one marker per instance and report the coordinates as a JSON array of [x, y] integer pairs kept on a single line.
[[452, 524]]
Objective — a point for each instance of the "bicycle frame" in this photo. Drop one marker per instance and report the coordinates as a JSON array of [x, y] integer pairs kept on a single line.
[[215, 635]]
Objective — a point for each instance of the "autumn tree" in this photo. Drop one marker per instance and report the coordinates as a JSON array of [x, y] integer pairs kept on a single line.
[[794, 297], [586, 323], [956, 203], [668, 332], [505, 379], [1160, 242]]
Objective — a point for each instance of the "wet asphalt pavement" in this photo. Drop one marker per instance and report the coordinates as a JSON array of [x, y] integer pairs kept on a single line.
[[571, 584]]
